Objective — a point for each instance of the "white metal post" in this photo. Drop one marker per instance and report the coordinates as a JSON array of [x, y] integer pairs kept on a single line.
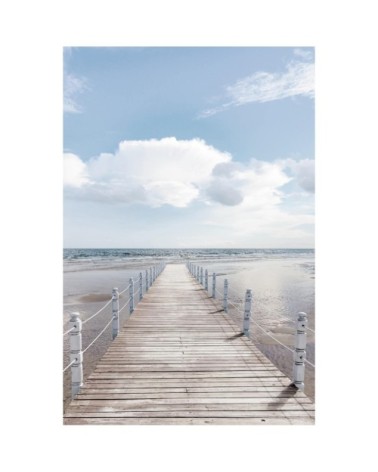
[[247, 312], [225, 295], [115, 311], [146, 280], [214, 284], [206, 280], [151, 276], [131, 294], [140, 286], [76, 354], [300, 351], [201, 276]]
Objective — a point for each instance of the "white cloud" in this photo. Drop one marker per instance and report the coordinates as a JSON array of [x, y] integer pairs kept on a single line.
[[306, 54], [247, 202], [178, 194], [303, 172], [74, 171], [154, 172], [297, 80], [252, 185], [264, 216], [73, 86]]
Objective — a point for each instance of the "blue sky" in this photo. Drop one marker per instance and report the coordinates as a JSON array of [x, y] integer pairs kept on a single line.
[[189, 147]]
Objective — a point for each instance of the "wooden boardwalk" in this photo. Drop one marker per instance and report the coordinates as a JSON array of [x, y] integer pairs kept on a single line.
[[180, 360]]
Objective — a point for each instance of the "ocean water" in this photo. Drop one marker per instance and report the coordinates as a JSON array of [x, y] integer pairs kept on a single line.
[[282, 283], [174, 255]]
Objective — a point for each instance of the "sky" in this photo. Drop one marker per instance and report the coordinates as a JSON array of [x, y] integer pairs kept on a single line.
[[189, 147]]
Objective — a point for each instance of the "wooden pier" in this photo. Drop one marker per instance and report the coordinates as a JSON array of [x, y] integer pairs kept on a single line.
[[180, 360]]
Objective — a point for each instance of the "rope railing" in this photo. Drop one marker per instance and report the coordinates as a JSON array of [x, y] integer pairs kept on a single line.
[[220, 293], [299, 353], [69, 365], [128, 301], [309, 363], [98, 312], [233, 304], [68, 331], [271, 336], [76, 351], [88, 319], [95, 339], [124, 290]]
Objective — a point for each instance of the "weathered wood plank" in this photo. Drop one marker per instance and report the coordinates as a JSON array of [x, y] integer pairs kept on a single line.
[[253, 391], [178, 395], [208, 402], [198, 414], [188, 421]]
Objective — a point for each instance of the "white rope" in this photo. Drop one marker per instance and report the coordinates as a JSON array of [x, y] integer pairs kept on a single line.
[[95, 339], [279, 342], [99, 311], [68, 331], [119, 311], [220, 293], [236, 306], [69, 365], [235, 292], [124, 290], [308, 362]]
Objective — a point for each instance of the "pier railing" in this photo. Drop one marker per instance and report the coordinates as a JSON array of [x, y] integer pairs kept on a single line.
[[209, 282], [137, 287]]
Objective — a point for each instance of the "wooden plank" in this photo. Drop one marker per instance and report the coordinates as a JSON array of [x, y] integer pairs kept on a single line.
[[188, 421], [253, 391], [200, 403], [204, 395], [197, 414]]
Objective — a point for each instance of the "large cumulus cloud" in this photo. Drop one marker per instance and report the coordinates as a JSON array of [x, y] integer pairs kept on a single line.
[[176, 172]]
